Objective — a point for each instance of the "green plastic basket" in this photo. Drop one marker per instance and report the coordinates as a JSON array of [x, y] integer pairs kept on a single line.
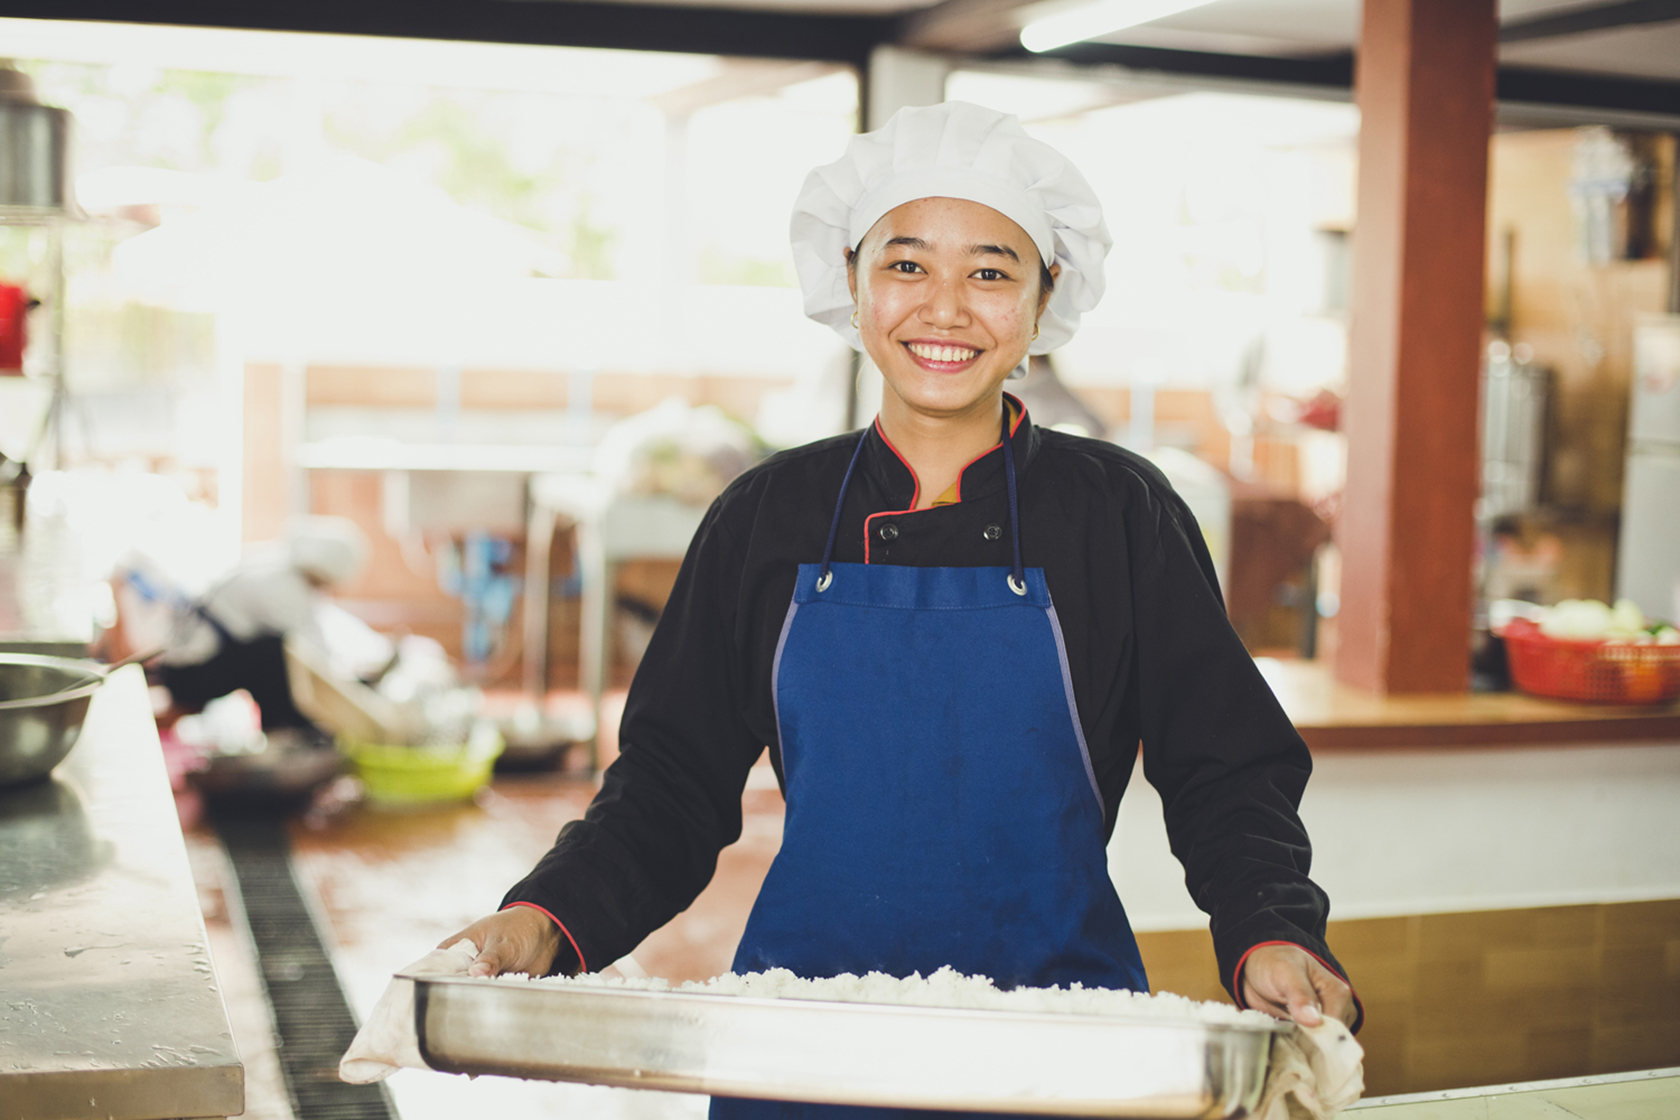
[[394, 775]]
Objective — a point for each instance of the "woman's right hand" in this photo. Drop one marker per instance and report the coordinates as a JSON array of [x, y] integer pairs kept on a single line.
[[518, 939]]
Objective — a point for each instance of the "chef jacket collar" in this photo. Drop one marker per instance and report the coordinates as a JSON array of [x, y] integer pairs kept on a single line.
[[981, 477]]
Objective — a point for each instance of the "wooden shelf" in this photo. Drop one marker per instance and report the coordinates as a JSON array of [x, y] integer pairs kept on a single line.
[[1332, 716]]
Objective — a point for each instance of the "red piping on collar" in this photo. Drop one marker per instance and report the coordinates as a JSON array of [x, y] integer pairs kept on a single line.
[[916, 494], [1020, 414], [1014, 426]]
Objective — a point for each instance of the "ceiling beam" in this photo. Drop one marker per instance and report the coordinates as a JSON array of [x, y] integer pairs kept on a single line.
[[827, 38], [1583, 21], [1571, 89], [962, 26], [1530, 86], [1330, 71], [561, 23]]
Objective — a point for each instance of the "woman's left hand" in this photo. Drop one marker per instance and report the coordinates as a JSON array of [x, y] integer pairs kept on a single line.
[[1288, 982]]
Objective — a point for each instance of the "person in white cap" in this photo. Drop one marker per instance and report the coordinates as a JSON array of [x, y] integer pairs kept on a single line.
[[952, 632], [231, 637]]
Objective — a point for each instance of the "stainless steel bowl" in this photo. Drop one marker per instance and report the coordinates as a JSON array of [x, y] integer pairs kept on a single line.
[[43, 701]]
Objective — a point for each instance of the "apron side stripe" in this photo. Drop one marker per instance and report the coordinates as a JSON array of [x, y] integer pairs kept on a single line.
[[1073, 707], [776, 681]]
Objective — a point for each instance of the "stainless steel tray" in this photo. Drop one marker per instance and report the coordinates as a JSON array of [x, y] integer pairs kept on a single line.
[[843, 1053]]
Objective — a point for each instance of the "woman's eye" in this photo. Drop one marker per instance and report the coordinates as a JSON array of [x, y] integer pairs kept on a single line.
[[904, 266], [991, 274]]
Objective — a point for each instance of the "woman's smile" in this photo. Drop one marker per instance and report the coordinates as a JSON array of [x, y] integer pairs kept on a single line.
[[942, 357]]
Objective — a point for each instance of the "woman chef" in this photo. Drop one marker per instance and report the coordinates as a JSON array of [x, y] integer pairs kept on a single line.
[[952, 632]]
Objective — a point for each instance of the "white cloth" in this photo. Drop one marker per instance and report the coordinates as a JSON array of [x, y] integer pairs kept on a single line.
[[275, 589], [952, 150], [331, 550], [1315, 1073], [264, 595], [387, 1042]]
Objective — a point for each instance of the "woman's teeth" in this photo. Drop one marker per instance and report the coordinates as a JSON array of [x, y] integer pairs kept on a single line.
[[941, 353]]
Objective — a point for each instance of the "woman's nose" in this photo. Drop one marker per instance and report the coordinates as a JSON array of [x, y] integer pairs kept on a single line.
[[944, 306]]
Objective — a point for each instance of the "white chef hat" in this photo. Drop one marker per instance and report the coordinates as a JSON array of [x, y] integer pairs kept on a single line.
[[951, 150], [331, 550]]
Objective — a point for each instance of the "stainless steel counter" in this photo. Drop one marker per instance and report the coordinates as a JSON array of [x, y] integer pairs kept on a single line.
[[1652, 1094], [109, 1005]]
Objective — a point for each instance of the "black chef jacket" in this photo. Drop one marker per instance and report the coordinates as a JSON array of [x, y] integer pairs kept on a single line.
[[1152, 656]]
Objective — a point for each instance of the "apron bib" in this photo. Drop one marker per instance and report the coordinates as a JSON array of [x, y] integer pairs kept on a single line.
[[941, 805]]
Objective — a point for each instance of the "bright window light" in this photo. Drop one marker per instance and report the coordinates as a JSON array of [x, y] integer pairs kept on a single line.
[[1101, 18]]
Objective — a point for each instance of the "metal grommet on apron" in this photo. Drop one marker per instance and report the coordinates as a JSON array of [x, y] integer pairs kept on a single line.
[[941, 805]]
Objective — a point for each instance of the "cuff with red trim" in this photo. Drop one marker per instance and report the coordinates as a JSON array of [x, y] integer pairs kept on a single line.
[[568, 958], [1237, 978]]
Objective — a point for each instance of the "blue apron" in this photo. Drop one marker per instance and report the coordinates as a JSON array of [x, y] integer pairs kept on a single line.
[[941, 805]]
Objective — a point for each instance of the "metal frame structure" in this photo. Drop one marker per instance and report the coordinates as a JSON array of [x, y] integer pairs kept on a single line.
[[850, 39]]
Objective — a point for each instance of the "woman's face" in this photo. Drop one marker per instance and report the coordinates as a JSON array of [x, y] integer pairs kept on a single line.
[[948, 298]]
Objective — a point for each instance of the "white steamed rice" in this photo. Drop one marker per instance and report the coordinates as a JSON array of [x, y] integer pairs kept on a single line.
[[945, 988]]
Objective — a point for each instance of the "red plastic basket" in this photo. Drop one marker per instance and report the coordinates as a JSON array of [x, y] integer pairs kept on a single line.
[[1594, 671]]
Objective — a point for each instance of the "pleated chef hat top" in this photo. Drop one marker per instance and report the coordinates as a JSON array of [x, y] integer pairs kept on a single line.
[[951, 150]]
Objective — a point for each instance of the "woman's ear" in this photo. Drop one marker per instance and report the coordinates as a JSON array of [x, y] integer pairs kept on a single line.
[[851, 274], [1044, 294]]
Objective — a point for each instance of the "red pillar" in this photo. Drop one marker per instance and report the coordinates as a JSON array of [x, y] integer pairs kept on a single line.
[[1425, 87]]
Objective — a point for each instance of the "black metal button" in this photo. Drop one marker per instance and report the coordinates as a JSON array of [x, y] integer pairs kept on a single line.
[[992, 532], [889, 532]]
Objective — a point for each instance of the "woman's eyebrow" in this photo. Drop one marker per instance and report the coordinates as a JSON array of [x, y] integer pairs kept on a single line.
[[973, 250]]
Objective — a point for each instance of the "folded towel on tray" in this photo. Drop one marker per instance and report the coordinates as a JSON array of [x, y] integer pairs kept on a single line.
[[387, 1042], [1315, 1073]]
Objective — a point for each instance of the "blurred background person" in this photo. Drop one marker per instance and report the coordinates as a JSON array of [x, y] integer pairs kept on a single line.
[[233, 635]]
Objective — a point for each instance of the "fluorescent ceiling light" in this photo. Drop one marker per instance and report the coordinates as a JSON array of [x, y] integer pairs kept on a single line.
[[1102, 18]]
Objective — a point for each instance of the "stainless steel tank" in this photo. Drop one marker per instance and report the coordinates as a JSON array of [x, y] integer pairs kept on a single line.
[[34, 152]]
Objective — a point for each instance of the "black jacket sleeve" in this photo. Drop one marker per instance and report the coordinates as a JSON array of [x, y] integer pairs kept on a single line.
[[648, 844], [1228, 764]]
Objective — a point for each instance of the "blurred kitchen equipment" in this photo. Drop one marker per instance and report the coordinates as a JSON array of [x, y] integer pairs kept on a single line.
[[1611, 190], [289, 767], [342, 706], [106, 670], [1648, 559], [1051, 404], [611, 527], [36, 190], [1593, 672], [1514, 393], [536, 737], [43, 701], [396, 775], [34, 150], [653, 476], [15, 306]]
